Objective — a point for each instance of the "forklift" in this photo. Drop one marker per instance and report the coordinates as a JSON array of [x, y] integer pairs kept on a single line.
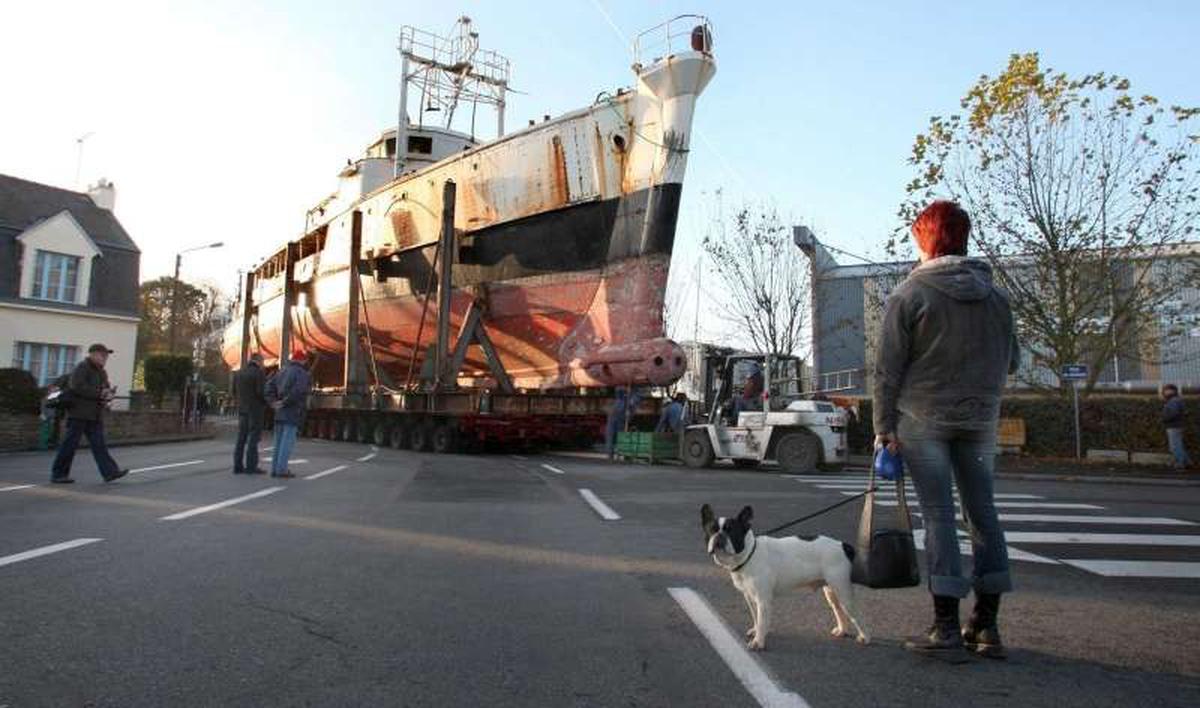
[[757, 412]]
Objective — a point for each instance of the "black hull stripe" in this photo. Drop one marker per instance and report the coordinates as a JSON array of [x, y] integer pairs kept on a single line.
[[580, 237]]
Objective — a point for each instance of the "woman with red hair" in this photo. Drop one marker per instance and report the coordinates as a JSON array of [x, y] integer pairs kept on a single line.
[[947, 345]]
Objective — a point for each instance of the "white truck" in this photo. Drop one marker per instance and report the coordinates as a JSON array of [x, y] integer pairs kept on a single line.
[[757, 412]]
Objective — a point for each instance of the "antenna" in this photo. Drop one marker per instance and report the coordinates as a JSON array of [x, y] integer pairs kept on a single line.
[[79, 157], [448, 70]]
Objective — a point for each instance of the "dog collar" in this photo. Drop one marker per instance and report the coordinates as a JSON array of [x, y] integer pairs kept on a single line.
[[741, 565]]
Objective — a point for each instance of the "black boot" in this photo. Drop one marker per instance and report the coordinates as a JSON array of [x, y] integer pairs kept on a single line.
[[981, 634], [944, 636]]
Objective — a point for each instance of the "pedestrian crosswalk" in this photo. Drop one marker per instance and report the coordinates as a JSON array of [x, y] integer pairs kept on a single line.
[[1089, 537]]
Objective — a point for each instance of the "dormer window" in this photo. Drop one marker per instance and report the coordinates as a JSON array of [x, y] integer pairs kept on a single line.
[[56, 277]]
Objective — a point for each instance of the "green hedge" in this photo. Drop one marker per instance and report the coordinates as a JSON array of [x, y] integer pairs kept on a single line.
[[19, 392], [1110, 422]]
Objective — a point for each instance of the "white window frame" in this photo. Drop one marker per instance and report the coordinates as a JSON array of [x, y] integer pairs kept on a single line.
[[36, 358], [64, 287]]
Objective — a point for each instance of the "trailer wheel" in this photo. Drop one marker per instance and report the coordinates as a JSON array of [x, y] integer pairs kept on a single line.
[[798, 452], [697, 449], [381, 435], [400, 437], [349, 431], [328, 429], [421, 436], [445, 437]]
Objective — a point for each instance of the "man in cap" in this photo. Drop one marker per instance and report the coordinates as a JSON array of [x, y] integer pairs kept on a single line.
[[250, 386], [288, 394], [90, 396]]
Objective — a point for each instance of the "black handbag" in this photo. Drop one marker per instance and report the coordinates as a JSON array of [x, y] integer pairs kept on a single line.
[[886, 557]]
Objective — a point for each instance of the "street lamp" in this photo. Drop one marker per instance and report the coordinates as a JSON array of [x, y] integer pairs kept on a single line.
[[175, 288]]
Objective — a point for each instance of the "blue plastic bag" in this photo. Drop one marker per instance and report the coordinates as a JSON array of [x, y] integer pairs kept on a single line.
[[888, 466]]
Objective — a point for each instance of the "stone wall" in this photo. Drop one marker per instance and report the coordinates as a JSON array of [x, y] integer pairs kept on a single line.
[[21, 432]]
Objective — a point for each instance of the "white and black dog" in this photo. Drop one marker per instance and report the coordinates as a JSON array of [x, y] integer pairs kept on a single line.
[[761, 565]]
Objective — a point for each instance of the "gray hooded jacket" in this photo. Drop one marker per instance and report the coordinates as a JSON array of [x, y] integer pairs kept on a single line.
[[946, 347]]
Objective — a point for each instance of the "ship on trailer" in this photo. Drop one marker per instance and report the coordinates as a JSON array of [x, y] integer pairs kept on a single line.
[[543, 253]]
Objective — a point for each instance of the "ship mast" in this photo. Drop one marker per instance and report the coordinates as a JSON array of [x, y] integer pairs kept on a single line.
[[446, 71]]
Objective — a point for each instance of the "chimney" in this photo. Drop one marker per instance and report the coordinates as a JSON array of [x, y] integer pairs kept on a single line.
[[104, 194]]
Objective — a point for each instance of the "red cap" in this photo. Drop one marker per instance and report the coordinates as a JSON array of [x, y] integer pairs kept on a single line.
[[298, 355]]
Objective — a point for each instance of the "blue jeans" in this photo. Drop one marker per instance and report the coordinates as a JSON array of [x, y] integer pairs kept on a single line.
[[285, 440], [1175, 443], [937, 458], [249, 433], [94, 430]]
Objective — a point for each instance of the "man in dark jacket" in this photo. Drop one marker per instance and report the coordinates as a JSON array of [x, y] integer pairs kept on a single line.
[[1173, 416], [90, 396], [946, 348], [250, 386], [287, 393]]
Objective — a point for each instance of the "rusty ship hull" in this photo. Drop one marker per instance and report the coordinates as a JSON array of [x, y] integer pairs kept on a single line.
[[563, 235]]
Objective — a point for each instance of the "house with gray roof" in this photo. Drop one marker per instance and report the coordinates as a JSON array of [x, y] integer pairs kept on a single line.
[[68, 278]]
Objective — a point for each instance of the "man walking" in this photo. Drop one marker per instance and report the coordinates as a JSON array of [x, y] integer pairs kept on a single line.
[[1173, 416], [288, 394], [250, 385], [90, 396]]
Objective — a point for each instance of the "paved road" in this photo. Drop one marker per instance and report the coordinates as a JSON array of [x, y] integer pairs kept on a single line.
[[399, 578]]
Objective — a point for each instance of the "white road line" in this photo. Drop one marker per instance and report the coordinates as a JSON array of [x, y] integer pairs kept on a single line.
[[221, 505], [966, 549], [329, 471], [1113, 539], [268, 448], [47, 550], [298, 462], [167, 467], [744, 666], [553, 469], [374, 448], [1138, 569], [912, 503], [1123, 520], [892, 492], [604, 510], [15, 487], [366, 458], [519, 457]]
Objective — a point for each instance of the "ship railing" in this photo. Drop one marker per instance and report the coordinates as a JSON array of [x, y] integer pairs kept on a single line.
[[682, 33], [450, 53]]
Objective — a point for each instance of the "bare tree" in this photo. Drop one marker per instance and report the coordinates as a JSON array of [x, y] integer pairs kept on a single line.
[[766, 289], [1081, 193]]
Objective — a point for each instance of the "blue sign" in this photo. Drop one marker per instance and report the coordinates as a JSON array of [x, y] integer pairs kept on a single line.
[[1074, 372]]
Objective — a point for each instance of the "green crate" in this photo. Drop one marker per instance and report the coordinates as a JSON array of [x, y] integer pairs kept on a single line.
[[652, 447]]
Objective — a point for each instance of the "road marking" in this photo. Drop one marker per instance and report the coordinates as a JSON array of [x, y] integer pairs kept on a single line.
[[47, 550], [221, 505], [1113, 539], [331, 470], [892, 493], [745, 667], [1138, 569], [298, 462], [553, 469], [366, 458], [1125, 520], [15, 487], [966, 549], [268, 448], [1008, 505], [374, 448], [604, 510], [167, 467], [519, 457]]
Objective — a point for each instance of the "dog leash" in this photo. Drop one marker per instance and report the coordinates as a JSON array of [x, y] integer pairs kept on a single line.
[[827, 509]]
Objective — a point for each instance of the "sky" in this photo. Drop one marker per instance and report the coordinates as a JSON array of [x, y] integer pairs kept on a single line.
[[224, 120]]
